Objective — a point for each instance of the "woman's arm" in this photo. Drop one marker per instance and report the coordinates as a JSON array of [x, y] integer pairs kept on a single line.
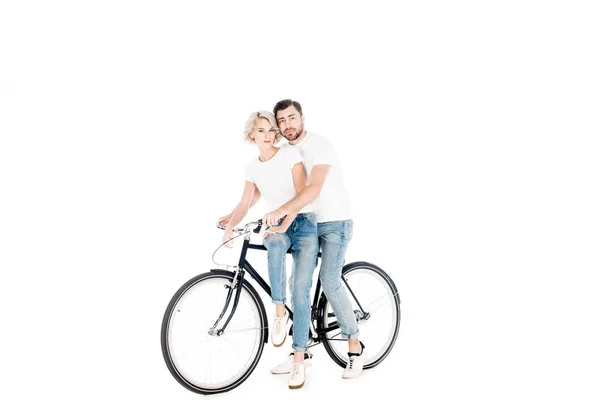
[[239, 212], [224, 220]]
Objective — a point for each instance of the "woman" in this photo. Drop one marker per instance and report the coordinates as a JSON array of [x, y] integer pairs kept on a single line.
[[278, 173]]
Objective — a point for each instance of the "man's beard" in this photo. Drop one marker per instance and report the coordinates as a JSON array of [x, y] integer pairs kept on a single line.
[[296, 134]]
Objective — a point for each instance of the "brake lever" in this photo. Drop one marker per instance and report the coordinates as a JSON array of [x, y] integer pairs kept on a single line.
[[257, 229]]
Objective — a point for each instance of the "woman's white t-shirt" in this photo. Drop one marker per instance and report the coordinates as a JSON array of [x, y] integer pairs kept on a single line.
[[274, 177]]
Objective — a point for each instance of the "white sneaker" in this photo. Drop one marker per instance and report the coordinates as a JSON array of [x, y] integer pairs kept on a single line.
[[297, 378], [279, 331], [287, 365], [356, 363]]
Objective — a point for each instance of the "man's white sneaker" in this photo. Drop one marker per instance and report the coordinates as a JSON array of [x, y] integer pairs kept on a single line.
[[355, 365], [286, 366], [297, 378], [279, 330]]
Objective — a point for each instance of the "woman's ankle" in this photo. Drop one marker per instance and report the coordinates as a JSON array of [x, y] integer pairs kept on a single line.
[[280, 310]]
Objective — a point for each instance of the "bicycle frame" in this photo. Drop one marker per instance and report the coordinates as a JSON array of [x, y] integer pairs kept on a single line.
[[317, 335]]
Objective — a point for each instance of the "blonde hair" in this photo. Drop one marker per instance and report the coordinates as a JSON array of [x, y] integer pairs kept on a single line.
[[252, 119]]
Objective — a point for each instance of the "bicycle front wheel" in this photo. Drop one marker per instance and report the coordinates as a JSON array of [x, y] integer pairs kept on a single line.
[[203, 362], [376, 304]]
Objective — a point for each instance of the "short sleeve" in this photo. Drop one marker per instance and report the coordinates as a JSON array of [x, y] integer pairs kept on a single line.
[[248, 174], [293, 157], [324, 153]]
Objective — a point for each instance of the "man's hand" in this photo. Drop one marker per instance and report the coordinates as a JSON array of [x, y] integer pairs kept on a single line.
[[272, 218]]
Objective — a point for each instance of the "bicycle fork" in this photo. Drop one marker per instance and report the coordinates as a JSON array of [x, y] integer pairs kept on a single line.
[[235, 285]]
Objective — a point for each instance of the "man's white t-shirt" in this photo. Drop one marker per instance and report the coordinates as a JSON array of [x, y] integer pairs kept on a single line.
[[333, 204], [274, 177]]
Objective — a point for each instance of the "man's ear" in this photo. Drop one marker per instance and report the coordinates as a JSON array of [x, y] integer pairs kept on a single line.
[[302, 119]]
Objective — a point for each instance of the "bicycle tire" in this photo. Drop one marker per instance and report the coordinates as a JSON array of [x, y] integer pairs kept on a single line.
[[324, 315], [171, 332]]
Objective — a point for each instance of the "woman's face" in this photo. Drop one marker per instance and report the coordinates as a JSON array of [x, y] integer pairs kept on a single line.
[[263, 133]]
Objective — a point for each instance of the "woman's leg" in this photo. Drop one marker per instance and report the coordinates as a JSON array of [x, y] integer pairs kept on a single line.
[[277, 246]]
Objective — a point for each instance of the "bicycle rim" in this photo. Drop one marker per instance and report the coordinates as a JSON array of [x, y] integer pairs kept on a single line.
[[378, 297], [207, 362]]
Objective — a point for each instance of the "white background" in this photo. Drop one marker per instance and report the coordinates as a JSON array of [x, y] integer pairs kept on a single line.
[[467, 132]]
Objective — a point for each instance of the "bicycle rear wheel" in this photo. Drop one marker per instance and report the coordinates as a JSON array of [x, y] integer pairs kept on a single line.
[[376, 304], [205, 363]]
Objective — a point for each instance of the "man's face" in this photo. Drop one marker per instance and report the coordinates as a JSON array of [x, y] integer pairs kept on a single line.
[[291, 123]]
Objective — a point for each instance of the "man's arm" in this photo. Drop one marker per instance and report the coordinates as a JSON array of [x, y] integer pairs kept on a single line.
[[302, 199], [299, 175]]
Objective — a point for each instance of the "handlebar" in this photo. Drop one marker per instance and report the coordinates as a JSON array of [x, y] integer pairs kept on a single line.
[[246, 227]]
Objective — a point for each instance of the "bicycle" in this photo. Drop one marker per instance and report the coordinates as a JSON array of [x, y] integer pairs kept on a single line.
[[209, 356]]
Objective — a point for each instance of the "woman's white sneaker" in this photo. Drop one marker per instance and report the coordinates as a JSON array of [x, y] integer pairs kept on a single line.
[[279, 330], [356, 363]]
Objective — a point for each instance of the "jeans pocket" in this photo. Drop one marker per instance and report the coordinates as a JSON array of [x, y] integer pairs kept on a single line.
[[311, 220], [348, 230]]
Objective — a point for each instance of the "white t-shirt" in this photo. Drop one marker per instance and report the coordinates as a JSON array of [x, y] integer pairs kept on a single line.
[[333, 204], [274, 178]]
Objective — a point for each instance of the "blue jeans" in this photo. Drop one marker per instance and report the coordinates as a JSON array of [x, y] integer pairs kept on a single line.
[[301, 237], [333, 238]]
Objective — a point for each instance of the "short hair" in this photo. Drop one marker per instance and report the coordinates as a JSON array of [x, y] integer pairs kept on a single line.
[[252, 119], [283, 104]]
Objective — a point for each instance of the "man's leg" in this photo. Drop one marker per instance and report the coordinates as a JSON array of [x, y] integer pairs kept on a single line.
[[305, 247], [334, 238]]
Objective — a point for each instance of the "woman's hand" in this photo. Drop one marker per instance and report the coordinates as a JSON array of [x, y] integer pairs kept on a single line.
[[226, 236], [224, 220]]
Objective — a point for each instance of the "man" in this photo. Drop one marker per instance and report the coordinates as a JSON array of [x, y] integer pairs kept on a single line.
[[327, 193]]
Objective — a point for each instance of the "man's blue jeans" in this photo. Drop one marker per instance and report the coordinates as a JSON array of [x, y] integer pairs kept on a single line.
[[333, 238], [301, 237]]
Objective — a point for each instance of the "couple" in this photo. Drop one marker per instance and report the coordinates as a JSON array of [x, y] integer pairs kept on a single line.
[[317, 214]]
